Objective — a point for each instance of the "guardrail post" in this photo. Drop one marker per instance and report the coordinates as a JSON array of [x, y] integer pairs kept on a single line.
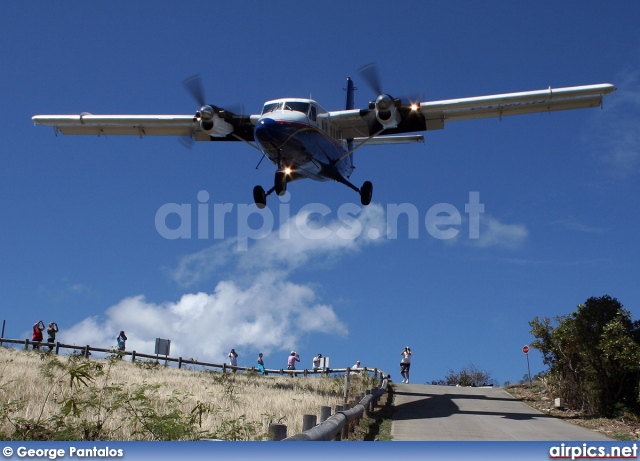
[[338, 408], [179, 362], [86, 352], [26, 344], [277, 431], [325, 412], [346, 384], [345, 428], [133, 356], [308, 421], [58, 348]]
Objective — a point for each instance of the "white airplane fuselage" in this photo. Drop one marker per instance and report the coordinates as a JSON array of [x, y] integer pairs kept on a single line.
[[296, 135]]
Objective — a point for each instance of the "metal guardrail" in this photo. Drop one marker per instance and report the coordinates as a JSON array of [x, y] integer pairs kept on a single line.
[[336, 427]]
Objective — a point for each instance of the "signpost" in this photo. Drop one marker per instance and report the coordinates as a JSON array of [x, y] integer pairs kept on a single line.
[[525, 351]]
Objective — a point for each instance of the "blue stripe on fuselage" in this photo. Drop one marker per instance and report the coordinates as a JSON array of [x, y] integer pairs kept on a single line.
[[302, 147]]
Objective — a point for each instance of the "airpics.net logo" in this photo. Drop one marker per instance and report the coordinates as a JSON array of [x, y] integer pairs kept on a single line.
[[205, 220]]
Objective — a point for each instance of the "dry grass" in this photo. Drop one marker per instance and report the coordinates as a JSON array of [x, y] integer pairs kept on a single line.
[[623, 428], [233, 403]]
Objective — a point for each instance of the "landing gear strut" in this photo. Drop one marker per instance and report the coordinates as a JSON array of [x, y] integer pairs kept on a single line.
[[280, 187]]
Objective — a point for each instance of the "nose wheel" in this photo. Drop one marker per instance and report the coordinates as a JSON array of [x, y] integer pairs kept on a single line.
[[260, 197], [279, 187], [366, 191]]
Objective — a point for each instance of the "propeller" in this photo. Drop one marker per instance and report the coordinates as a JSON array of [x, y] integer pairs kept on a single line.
[[369, 73], [195, 88]]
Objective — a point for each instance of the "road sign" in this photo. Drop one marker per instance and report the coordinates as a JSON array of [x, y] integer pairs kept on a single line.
[[525, 349]]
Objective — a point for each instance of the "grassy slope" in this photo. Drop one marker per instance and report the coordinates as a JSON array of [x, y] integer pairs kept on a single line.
[[120, 400]]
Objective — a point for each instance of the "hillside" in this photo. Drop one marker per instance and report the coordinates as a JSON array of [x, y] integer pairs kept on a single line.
[[46, 397]]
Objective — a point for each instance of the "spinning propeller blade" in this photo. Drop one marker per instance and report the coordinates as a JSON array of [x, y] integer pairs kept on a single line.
[[195, 88], [369, 73]]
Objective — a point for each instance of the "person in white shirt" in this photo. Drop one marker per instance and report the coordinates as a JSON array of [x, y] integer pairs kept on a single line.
[[356, 368], [233, 359], [316, 361], [405, 364]]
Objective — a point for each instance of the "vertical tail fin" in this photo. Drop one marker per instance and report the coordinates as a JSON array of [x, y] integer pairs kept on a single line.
[[350, 89]]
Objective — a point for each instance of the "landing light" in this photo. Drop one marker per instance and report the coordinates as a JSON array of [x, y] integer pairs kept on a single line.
[[414, 107], [287, 170]]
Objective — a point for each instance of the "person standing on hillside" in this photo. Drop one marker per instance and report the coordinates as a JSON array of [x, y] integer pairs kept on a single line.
[[405, 364], [37, 333], [233, 359], [261, 364], [316, 361], [51, 334], [121, 339], [291, 361]]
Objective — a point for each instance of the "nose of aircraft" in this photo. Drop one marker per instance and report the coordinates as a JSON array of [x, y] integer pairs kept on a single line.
[[264, 129]]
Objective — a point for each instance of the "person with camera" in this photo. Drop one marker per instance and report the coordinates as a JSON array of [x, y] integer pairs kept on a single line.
[[291, 361], [38, 327], [405, 364], [121, 340], [51, 334]]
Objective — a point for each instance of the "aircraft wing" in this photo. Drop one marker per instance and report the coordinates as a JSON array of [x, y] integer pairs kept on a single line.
[[433, 115], [148, 125]]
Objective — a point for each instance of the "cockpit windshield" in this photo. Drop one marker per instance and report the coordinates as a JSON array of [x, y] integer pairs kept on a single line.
[[271, 107], [296, 106]]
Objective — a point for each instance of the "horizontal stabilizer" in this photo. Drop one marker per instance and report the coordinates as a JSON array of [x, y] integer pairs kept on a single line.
[[383, 140]]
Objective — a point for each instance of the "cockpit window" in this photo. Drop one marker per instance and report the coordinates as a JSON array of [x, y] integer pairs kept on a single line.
[[270, 107], [297, 106]]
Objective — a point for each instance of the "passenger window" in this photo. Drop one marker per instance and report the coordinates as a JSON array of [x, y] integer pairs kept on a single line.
[[313, 113]]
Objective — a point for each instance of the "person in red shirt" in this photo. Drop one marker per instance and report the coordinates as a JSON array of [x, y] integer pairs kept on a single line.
[[38, 328]]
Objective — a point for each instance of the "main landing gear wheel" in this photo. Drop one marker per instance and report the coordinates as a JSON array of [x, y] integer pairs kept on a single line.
[[260, 197], [280, 184], [366, 191]]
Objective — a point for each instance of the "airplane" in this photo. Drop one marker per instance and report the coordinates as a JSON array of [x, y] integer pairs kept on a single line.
[[304, 140]]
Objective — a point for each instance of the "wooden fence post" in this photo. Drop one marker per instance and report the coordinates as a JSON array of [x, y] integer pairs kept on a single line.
[[345, 428], [338, 408], [179, 362], [346, 384], [325, 412], [308, 421], [133, 356], [277, 431]]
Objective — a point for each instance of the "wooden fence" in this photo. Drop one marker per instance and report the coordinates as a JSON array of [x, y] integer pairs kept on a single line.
[[330, 428], [86, 351]]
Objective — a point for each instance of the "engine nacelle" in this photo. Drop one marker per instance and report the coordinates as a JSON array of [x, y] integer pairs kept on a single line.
[[386, 111], [212, 124]]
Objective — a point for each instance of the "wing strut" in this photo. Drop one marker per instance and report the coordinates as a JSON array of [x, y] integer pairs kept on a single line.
[[360, 145]]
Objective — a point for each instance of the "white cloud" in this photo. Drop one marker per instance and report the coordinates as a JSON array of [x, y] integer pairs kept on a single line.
[[257, 308], [495, 233]]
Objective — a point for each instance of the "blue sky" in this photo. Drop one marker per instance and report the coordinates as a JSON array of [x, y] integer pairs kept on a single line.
[[79, 243]]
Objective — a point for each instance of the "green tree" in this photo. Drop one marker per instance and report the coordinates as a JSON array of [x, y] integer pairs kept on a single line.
[[593, 356], [468, 376]]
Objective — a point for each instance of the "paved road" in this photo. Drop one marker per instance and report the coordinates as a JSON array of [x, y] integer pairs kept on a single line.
[[426, 412]]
